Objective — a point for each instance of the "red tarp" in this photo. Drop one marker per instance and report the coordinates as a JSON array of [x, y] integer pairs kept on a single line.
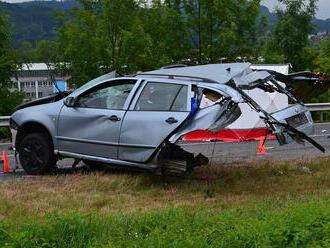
[[227, 135]]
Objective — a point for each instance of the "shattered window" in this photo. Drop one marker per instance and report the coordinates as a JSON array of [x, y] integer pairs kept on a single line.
[[111, 97], [210, 98], [162, 97]]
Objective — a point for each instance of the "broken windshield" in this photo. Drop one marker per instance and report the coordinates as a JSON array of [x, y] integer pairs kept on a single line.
[[100, 79]]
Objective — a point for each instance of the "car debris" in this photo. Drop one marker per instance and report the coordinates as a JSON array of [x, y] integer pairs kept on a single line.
[[137, 121]]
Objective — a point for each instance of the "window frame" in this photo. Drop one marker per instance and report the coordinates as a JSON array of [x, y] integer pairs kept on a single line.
[[106, 85], [170, 82], [222, 93]]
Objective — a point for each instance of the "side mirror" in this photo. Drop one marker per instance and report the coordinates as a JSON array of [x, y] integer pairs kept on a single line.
[[69, 102]]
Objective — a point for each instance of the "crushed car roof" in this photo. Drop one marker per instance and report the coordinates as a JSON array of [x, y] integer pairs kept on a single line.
[[221, 73]]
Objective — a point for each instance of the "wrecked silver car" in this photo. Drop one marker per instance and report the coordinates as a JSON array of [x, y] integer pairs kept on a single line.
[[136, 121]]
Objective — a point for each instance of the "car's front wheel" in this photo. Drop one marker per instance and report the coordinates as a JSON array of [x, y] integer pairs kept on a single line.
[[36, 154]]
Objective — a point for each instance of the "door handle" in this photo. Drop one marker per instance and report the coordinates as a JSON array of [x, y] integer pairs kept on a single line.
[[114, 118], [171, 120]]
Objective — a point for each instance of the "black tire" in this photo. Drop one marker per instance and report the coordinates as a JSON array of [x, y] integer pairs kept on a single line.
[[36, 154]]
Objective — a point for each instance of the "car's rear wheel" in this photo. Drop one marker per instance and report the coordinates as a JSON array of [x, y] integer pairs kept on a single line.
[[36, 154]]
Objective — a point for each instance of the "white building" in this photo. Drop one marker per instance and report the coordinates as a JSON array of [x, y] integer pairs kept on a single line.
[[36, 81]]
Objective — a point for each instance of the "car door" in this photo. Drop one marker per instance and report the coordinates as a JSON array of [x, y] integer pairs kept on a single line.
[[92, 126], [158, 109]]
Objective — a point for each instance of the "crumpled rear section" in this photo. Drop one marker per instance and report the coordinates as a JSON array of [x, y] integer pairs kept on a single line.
[[213, 118], [175, 160], [251, 79]]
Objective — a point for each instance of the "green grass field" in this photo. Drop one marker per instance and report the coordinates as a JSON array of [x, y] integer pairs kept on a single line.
[[262, 204]]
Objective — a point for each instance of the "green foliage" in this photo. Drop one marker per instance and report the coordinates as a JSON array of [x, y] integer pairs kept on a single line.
[[223, 29], [8, 68], [296, 225], [92, 41], [323, 60], [5, 134], [26, 52], [292, 29], [135, 35], [321, 63], [165, 45]]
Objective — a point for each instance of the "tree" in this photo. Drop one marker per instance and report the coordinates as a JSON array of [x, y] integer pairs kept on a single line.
[[132, 35], [323, 60], [26, 52], [223, 29], [322, 64], [167, 34], [92, 41], [8, 68], [291, 31]]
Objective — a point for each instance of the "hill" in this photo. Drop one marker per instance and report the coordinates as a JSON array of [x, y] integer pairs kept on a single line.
[[320, 25], [34, 21]]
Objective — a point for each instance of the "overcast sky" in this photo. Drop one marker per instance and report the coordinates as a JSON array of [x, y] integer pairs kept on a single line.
[[323, 12]]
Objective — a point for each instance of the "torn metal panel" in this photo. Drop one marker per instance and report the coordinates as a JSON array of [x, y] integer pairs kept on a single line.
[[224, 90], [298, 117], [304, 85], [213, 118], [173, 159], [251, 79]]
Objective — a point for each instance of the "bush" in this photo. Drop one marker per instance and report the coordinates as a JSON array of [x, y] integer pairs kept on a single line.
[[5, 134]]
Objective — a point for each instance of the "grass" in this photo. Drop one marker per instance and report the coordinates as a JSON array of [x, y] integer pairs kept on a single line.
[[233, 185], [295, 225], [262, 204]]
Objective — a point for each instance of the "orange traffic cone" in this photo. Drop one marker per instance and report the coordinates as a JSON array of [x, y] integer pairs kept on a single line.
[[5, 162], [261, 149]]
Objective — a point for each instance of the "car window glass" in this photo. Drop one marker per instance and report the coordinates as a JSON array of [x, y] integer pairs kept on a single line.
[[180, 103], [110, 97], [157, 97]]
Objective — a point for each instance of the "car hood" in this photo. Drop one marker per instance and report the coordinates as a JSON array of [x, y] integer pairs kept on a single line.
[[44, 100]]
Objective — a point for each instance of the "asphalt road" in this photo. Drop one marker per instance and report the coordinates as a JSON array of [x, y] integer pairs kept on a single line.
[[228, 152], [224, 152]]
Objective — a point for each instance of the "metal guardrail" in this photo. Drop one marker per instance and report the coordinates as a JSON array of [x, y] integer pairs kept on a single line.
[[319, 107], [313, 107], [4, 121]]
